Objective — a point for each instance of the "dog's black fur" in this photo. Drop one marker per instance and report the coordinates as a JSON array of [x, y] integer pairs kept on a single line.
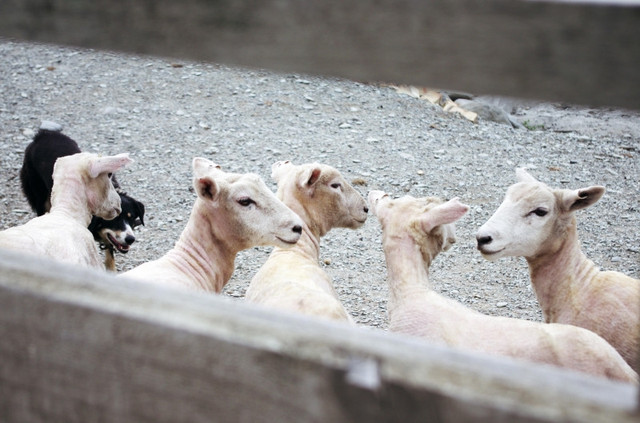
[[37, 181]]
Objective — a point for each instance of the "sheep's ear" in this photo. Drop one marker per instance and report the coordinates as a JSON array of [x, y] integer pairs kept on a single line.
[[206, 188], [202, 166], [375, 198], [572, 200], [280, 168], [108, 164], [443, 214], [309, 177], [523, 176]]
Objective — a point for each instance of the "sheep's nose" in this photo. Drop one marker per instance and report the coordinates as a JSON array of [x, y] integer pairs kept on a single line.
[[483, 240], [297, 229], [130, 239], [366, 209]]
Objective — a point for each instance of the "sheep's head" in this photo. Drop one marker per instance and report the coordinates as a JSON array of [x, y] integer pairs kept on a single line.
[[243, 209], [426, 222], [532, 219], [320, 193], [94, 173]]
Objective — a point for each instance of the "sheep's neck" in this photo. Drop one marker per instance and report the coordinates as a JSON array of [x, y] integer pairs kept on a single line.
[[202, 254], [407, 271], [68, 198], [308, 245], [560, 275], [309, 242]]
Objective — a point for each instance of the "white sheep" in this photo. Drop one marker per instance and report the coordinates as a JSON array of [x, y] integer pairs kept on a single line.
[[291, 279], [81, 189], [538, 223], [414, 232], [232, 212]]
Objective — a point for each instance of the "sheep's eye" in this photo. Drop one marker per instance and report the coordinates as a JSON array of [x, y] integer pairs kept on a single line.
[[335, 185], [540, 212], [244, 202]]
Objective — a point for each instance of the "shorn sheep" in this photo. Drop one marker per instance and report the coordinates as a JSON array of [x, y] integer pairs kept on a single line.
[[232, 212], [36, 180], [414, 232], [291, 279], [538, 223], [81, 189]]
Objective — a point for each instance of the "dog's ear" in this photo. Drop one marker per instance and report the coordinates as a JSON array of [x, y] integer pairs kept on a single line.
[[140, 210], [96, 225]]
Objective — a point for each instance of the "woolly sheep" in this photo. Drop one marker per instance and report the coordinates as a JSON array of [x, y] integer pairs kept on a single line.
[[538, 223], [292, 279], [232, 212], [414, 232], [81, 189]]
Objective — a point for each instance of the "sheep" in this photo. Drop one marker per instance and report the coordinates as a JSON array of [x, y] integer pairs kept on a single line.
[[414, 232], [232, 212], [81, 188], [292, 279], [538, 223], [36, 180]]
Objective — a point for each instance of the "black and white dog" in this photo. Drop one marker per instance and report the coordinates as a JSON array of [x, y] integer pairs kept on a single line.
[[36, 179]]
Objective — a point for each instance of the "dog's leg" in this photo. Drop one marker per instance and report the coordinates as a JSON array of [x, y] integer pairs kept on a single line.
[[109, 259]]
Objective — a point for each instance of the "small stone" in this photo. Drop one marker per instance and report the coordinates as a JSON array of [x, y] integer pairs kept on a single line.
[[49, 125], [501, 304]]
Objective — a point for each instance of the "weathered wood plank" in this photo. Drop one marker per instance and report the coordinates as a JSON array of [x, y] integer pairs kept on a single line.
[[81, 346], [580, 53]]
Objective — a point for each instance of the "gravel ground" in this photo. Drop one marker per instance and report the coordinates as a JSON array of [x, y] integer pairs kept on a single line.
[[165, 112]]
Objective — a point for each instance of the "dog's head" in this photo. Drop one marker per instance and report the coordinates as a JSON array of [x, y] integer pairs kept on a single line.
[[118, 233]]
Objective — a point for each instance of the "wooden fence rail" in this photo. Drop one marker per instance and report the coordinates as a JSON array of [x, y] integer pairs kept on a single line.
[[83, 346], [586, 53]]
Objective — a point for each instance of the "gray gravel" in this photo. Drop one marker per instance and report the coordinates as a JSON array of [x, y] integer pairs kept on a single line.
[[164, 112]]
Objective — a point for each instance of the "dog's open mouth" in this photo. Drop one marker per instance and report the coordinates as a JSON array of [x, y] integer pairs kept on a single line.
[[123, 248]]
